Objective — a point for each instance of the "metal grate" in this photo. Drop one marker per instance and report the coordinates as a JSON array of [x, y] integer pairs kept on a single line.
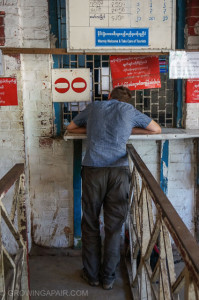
[[99, 72], [156, 103]]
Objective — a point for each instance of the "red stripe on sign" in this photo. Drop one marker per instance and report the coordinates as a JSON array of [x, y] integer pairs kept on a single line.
[[79, 85], [62, 90]]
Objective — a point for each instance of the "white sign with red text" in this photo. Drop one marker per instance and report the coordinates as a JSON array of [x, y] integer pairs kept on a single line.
[[71, 85]]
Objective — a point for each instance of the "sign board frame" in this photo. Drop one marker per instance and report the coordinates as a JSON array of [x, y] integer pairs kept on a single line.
[[141, 39], [71, 85]]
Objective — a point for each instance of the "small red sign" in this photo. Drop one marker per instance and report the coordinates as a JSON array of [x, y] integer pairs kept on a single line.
[[135, 72], [65, 89], [79, 85], [8, 91], [192, 91]]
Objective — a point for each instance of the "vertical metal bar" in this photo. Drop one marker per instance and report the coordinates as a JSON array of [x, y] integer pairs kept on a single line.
[[58, 119], [21, 211], [14, 202], [77, 192], [54, 21], [181, 10], [164, 165]]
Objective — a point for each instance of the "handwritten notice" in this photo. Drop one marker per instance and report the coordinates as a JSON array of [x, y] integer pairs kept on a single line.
[[184, 65], [192, 91], [8, 91], [120, 25], [135, 72]]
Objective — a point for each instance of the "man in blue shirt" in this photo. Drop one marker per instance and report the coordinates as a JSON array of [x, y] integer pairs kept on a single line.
[[105, 178]]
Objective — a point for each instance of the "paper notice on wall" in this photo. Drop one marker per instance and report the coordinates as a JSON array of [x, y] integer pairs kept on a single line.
[[192, 91], [135, 72], [104, 81], [183, 65], [1, 64]]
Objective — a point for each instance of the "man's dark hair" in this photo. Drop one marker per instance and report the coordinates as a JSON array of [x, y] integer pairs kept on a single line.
[[121, 93]]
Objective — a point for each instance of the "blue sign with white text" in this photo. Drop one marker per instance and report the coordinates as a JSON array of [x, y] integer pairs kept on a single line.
[[121, 37]]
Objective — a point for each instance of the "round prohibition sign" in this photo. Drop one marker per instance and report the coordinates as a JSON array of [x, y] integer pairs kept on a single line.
[[62, 90], [78, 85]]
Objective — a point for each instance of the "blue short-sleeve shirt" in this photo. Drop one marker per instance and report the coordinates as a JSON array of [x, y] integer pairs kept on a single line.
[[109, 125]]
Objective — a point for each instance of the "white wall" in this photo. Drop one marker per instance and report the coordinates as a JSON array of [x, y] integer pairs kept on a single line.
[[12, 144], [26, 131], [181, 173], [49, 161], [192, 116]]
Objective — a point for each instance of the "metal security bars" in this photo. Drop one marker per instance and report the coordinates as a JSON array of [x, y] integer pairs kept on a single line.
[[156, 103], [159, 104], [14, 267], [99, 76], [157, 235]]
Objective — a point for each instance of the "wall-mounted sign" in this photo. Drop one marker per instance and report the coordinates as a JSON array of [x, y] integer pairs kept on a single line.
[[135, 72], [71, 85], [121, 37], [8, 91], [104, 25], [192, 91], [183, 64]]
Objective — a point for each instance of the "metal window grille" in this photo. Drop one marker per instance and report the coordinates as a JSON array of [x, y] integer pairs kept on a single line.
[[156, 103]]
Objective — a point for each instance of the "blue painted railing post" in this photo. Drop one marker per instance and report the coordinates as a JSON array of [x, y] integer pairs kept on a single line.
[[77, 192], [180, 26], [164, 164], [54, 25]]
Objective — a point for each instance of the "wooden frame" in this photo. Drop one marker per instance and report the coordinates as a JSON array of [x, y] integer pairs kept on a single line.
[[14, 282]]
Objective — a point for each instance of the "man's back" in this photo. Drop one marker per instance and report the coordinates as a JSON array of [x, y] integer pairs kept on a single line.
[[109, 125]]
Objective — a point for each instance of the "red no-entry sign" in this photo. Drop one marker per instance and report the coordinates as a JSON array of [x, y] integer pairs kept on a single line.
[[64, 89], [70, 85], [79, 85]]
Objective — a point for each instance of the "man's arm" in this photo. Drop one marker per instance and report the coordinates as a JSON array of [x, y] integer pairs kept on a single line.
[[73, 128], [152, 128]]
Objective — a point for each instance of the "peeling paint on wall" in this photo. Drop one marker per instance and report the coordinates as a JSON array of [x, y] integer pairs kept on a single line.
[[45, 142]]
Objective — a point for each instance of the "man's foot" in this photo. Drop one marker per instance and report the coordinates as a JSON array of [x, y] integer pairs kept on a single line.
[[108, 286], [89, 281]]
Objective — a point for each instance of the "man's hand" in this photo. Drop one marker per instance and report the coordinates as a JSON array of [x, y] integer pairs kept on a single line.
[[152, 128], [73, 128]]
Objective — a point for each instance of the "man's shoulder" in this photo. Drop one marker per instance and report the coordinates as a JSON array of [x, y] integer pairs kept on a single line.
[[123, 106], [126, 106]]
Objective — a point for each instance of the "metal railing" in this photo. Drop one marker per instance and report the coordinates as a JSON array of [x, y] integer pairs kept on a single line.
[[14, 283], [156, 234]]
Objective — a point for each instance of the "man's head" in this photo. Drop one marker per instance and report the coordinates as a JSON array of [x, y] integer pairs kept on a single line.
[[121, 93]]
